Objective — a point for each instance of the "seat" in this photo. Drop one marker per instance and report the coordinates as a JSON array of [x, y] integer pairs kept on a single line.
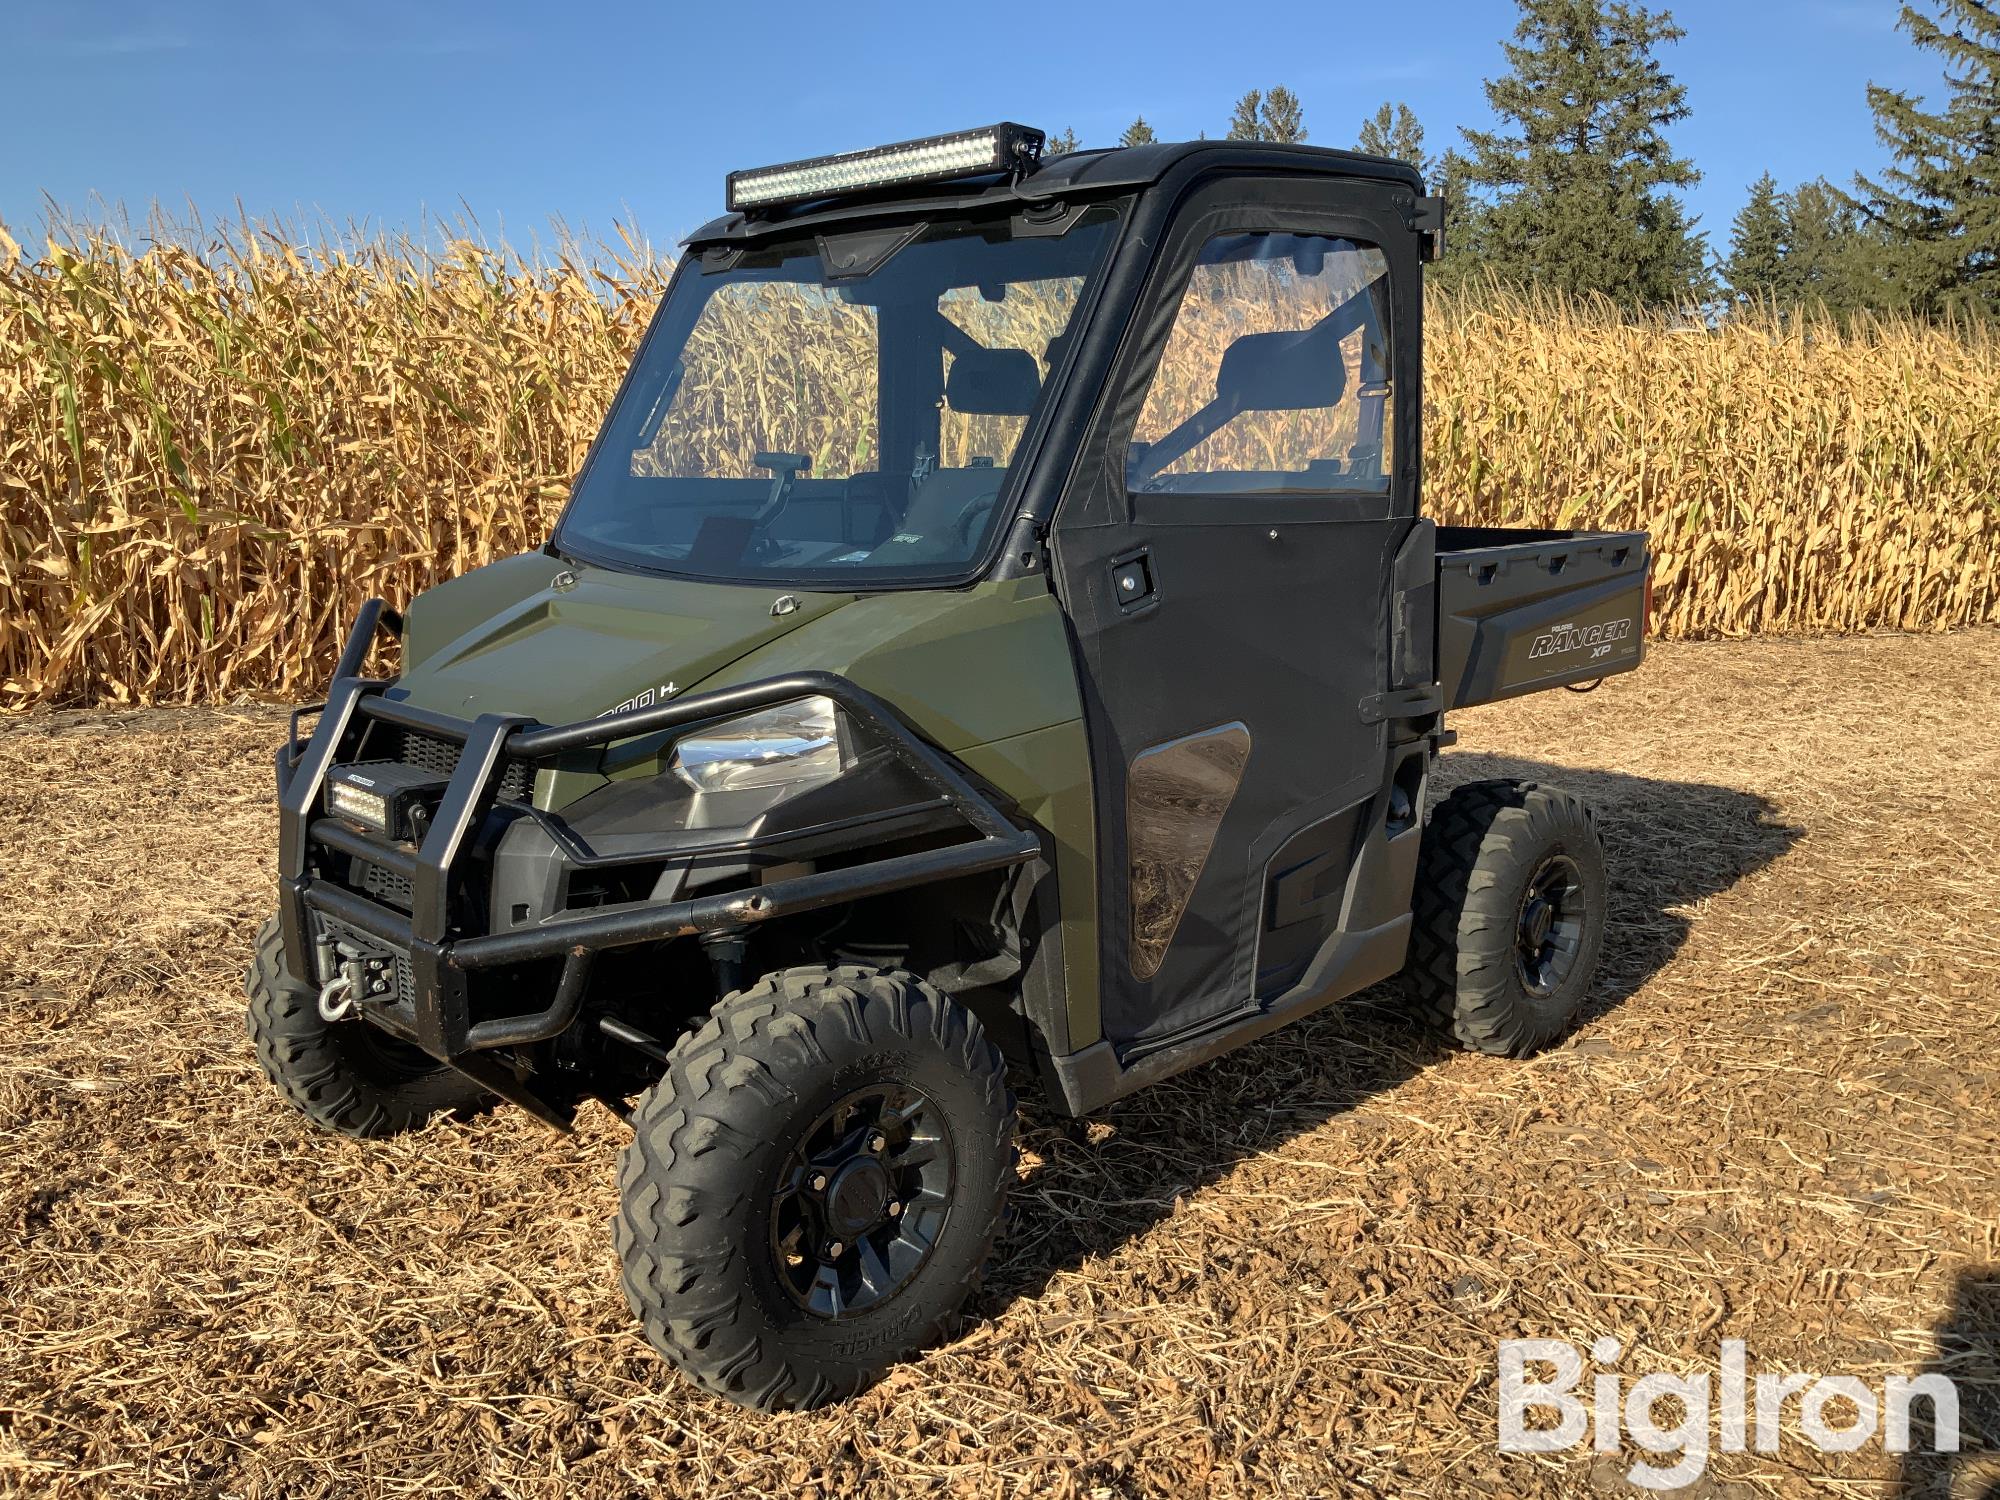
[[948, 512]]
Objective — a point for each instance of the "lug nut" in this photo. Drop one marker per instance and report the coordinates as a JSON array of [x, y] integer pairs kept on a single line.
[[817, 1182], [895, 1209], [878, 1143], [833, 1249]]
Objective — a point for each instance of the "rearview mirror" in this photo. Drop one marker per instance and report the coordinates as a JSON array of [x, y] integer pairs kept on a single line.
[[1300, 371]]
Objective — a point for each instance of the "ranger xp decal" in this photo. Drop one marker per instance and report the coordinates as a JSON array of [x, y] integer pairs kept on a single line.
[[1561, 640]]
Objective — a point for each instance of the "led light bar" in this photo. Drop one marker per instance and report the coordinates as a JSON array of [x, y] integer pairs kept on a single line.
[[350, 798], [998, 148]]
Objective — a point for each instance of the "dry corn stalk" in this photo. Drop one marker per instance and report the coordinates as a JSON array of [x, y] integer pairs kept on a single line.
[[207, 460]]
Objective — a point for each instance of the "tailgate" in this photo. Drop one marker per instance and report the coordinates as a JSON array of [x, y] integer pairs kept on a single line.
[[1520, 610]]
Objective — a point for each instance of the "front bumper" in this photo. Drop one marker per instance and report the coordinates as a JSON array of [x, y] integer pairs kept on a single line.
[[434, 947]]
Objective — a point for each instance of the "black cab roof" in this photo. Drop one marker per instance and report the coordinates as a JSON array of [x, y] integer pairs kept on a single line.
[[1076, 174]]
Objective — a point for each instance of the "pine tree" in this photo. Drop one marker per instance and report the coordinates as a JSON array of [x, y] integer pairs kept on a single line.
[[1247, 124], [1805, 248], [1833, 256], [1393, 131], [1759, 246], [1062, 143], [1581, 176], [1284, 119], [1939, 206], [1464, 223], [1138, 133], [1276, 116]]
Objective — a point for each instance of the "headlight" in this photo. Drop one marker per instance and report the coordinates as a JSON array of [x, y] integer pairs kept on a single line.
[[794, 744], [350, 796]]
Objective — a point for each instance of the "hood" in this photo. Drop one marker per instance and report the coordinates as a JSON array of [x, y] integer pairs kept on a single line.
[[507, 639]]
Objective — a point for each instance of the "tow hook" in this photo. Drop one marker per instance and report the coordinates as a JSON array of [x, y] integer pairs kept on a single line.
[[336, 997]]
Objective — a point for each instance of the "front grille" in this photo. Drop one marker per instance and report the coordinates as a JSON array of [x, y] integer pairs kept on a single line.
[[414, 748], [439, 756], [384, 885]]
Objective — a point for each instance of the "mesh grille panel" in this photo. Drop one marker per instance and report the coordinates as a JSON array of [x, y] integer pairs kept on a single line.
[[415, 748], [384, 884]]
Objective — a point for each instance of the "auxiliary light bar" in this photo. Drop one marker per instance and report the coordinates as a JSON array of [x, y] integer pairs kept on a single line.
[[998, 148]]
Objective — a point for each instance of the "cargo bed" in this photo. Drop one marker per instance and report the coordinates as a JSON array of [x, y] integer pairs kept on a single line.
[[1520, 609]]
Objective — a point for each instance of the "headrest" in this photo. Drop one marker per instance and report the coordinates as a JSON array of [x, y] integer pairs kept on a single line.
[[993, 382]]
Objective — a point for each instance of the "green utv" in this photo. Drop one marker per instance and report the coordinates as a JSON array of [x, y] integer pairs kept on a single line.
[[994, 627]]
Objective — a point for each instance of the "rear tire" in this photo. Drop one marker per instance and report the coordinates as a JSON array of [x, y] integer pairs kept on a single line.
[[813, 1190], [1509, 911], [345, 1076]]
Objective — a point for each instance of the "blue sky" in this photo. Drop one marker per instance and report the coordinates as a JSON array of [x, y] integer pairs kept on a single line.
[[619, 111]]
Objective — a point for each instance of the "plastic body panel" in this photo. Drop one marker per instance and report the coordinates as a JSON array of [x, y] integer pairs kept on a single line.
[[529, 636], [987, 675]]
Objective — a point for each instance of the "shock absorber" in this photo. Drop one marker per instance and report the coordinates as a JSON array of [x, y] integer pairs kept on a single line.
[[727, 948]]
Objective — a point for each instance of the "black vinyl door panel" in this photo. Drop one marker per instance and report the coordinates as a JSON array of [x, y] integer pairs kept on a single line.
[[1253, 660], [1227, 640]]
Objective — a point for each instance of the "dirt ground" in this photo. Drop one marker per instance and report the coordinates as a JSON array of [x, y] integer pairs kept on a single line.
[[1284, 1273]]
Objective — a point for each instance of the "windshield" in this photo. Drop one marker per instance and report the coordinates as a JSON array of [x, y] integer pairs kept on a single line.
[[784, 424]]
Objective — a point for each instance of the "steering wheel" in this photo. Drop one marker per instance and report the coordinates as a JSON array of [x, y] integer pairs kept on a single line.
[[972, 516]]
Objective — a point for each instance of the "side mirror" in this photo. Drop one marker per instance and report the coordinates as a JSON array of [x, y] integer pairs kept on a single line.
[[1300, 371]]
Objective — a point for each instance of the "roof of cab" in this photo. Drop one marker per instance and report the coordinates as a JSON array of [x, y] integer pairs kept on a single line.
[[1077, 173]]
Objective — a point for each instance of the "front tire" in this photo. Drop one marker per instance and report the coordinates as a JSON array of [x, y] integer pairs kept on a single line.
[[813, 1190], [1510, 911], [345, 1076]]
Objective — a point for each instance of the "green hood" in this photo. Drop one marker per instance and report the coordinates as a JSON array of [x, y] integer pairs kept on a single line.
[[502, 639]]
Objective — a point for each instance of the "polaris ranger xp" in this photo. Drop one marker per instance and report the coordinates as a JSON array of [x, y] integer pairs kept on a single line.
[[996, 626]]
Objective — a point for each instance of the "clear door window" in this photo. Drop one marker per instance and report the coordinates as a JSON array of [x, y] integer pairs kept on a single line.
[[1277, 374]]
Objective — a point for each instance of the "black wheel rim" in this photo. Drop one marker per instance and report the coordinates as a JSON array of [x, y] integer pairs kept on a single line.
[[1550, 932], [861, 1200]]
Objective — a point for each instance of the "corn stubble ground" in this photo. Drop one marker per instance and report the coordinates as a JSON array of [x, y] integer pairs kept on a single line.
[[1283, 1273]]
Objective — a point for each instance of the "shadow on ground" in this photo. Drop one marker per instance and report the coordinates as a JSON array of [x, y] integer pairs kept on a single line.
[[1968, 1354], [1669, 844]]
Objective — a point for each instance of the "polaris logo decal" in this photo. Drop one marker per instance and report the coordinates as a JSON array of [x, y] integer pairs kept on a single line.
[[646, 699], [1567, 639]]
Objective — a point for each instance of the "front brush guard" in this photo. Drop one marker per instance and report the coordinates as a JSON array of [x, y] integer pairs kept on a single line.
[[435, 1014]]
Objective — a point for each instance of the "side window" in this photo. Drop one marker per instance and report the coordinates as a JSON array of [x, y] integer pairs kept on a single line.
[[1276, 376]]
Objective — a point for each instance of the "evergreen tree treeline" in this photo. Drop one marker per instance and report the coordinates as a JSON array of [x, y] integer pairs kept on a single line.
[[1577, 186]]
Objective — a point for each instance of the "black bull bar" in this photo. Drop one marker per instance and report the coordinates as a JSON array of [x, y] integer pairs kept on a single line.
[[437, 1016]]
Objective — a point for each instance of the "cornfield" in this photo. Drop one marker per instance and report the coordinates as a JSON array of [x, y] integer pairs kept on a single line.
[[209, 458]]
